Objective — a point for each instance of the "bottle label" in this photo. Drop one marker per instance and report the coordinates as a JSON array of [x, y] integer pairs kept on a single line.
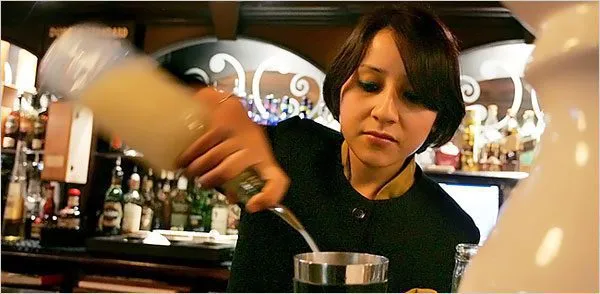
[[178, 221], [38, 127], [146, 222], [234, 215], [73, 201], [132, 215], [11, 126], [219, 219], [14, 202], [36, 229], [8, 142], [25, 126], [69, 222], [113, 212], [512, 142], [161, 195], [180, 207], [196, 221], [36, 144], [148, 186]]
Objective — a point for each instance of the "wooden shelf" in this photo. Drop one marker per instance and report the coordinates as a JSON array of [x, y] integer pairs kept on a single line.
[[202, 277], [27, 151], [114, 155], [509, 175]]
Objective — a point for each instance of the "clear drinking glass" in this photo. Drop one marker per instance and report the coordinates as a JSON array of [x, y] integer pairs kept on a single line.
[[464, 253]]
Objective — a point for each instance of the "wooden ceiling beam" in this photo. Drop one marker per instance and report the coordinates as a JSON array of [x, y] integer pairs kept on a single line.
[[225, 17]]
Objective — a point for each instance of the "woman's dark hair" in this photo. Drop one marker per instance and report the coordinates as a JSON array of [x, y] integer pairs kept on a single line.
[[430, 54]]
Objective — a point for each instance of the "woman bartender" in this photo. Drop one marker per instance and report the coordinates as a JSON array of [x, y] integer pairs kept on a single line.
[[394, 87]]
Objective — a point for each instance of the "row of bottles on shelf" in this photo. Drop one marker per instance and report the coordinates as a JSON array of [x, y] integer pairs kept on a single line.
[[164, 203], [486, 146], [32, 204], [276, 109], [26, 122]]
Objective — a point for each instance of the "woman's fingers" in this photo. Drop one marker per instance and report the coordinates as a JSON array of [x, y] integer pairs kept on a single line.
[[207, 141], [276, 181], [211, 158], [228, 168]]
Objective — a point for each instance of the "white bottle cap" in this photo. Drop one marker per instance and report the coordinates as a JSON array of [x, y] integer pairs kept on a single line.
[[182, 183], [135, 177]]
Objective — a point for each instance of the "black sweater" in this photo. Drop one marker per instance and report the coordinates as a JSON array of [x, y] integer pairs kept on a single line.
[[417, 231]]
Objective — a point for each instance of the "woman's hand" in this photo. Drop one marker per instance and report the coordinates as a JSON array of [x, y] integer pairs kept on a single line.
[[232, 144]]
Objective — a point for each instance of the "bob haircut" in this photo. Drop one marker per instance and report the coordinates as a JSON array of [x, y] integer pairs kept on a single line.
[[430, 54]]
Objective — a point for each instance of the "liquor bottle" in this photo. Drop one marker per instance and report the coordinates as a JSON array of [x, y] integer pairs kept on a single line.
[[199, 200], [132, 208], [511, 146], [113, 202], [39, 125], [484, 156], [70, 216], [490, 132], [33, 199], [267, 103], [285, 108], [166, 199], [11, 126], [233, 219], [528, 129], [13, 223], [148, 201], [253, 111], [303, 108], [158, 221], [57, 195], [512, 126], [494, 160], [26, 120], [207, 213], [273, 112], [528, 140], [469, 156], [180, 207], [49, 217], [220, 214]]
